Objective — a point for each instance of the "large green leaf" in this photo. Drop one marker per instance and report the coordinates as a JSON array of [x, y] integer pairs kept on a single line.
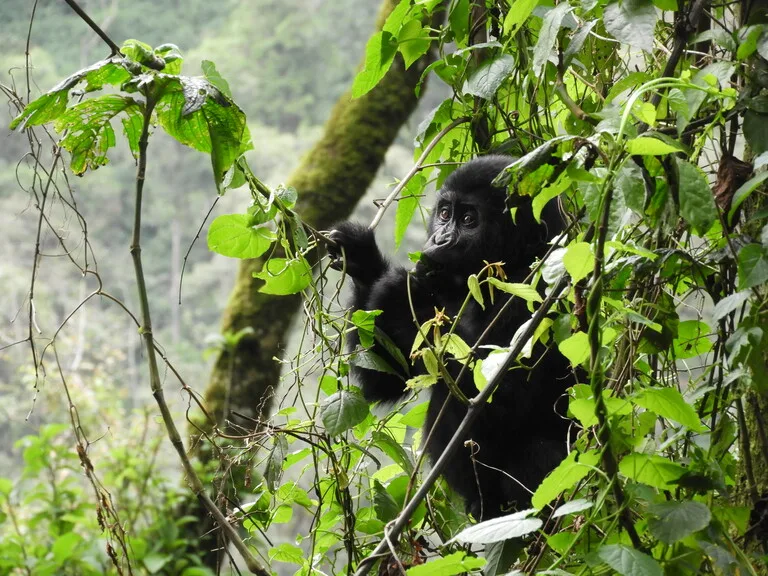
[[489, 76], [677, 520], [199, 115], [564, 477], [628, 561], [342, 411], [52, 103], [697, 205], [89, 132], [235, 236], [651, 469], [379, 54], [455, 563], [670, 404], [632, 22], [579, 260], [518, 14], [284, 277], [548, 35], [752, 266]]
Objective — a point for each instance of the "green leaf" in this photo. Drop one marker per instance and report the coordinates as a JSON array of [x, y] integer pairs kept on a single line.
[[524, 291], [365, 322], [748, 41], [649, 146], [64, 546], [89, 131], [692, 339], [458, 17], [371, 361], [628, 561], [514, 525], [572, 507], [413, 41], [342, 411], [629, 182], [632, 22], [670, 404], [284, 276], [564, 477], [518, 14], [474, 288], [456, 563], [273, 471], [548, 36], [52, 104], [406, 207], [199, 115], [234, 235], [729, 304], [677, 520], [416, 416], [47, 107], [744, 191], [6, 485], [384, 503], [213, 76], [379, 54], [393, 449], [484, 81], [651, 469], [697, 206], [548, 193], [154, 561], [287, 552], [752, 266], [629, 81], [755, 132], [575, 348], [578, 260]]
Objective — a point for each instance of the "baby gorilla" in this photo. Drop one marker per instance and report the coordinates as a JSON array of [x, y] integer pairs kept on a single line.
[[518, 437]]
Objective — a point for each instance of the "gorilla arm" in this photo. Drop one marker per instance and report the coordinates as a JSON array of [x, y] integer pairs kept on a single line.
[[379, 285]]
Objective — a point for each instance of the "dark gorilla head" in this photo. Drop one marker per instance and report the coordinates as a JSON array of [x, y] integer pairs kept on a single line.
[[471, 223]]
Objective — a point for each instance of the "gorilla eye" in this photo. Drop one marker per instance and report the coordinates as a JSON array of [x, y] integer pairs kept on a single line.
[[468, 219], [444, 214]]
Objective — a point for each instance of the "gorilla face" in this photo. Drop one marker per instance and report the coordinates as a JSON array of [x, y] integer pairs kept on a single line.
[[461, 225]]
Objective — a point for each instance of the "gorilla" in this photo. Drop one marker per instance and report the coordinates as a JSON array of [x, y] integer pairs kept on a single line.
[[519, 437]]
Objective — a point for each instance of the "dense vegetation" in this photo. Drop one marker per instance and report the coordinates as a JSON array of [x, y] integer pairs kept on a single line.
[[646, 119]]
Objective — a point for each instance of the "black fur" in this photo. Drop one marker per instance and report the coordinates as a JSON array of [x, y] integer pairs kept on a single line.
[[519, 432]]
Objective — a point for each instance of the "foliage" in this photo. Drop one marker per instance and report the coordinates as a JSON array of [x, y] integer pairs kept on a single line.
[[47, 524], [637, 142]]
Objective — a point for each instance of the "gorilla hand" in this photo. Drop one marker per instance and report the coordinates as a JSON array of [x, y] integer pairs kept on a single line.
[[364, 261]]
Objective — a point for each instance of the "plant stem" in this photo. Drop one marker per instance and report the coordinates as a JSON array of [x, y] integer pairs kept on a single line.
[[145, 330]]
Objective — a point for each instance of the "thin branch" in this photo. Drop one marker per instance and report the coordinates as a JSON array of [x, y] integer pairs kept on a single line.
[[193, 479], [416, 167], [95, 27], [476, 405]]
